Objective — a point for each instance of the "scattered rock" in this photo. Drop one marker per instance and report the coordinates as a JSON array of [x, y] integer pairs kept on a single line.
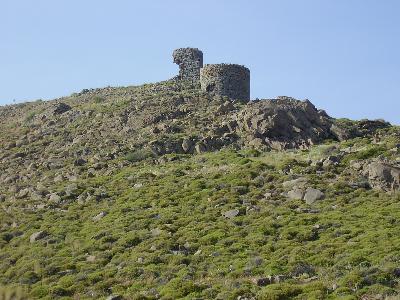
[[37, 236], [225, 108], [80, 162], [187, 145], [155, 232], [296, 194], [301, 181], [198, 252], [200, 148], [23, 193], [138, 185], [99, 216], [231, 213], [90, 258], [55, 198], [330, 161], [311, 195], [383, 176], [61, 108], [268, 195], [263, 281], [71, 189]]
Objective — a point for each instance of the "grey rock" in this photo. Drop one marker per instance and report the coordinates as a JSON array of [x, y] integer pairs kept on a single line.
[[383, 176], [155, 232], [37, 236], [263, 281], [36, 196], [58, 178], [71, 189], [2, 198], [231, 213], [200, 148], [99, 216], [187, 145], [61, 108], [23, 193], [80, 162], [225, 108], [294, 183], [296, 194], [55, 198], [284, 123], [330, 160], [312, 195], [138, 185]]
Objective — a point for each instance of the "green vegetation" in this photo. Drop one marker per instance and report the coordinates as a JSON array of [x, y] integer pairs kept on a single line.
[[117, 209], [164, 234], [139, 155]]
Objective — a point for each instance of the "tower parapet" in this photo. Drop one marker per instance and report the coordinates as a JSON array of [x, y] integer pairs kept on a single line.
[[190, 61]]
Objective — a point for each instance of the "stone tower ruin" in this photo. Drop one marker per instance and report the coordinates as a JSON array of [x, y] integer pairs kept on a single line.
[[226, 80], [229, 80], [190, 61]]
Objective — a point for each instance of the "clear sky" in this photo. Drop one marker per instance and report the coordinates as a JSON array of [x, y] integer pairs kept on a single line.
[[343, 55]]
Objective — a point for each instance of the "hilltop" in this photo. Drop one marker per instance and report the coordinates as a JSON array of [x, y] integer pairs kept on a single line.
[[174, 191]]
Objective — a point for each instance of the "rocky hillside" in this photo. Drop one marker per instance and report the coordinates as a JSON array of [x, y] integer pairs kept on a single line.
[[163, 192]]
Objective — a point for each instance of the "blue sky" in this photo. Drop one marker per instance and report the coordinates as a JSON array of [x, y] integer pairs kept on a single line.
[[343, 55]]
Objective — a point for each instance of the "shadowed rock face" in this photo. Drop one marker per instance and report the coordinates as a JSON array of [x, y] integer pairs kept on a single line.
[[284, 123], [383, 176]]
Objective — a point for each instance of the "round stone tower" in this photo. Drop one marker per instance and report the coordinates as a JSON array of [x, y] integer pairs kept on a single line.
[[190, 61], [226, 80]]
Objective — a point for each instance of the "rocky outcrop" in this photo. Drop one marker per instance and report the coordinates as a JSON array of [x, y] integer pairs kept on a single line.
[[346, 129], [284, 123], [381, 175]]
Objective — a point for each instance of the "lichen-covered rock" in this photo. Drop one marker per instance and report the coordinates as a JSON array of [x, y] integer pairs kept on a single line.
[[383, 176], [37, 236], [311, 195], [99, 216], [231, 213], [296, 194], [284, 123]]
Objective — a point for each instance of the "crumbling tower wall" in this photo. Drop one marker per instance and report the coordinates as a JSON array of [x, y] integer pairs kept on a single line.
[[226, 80], [190, 61]]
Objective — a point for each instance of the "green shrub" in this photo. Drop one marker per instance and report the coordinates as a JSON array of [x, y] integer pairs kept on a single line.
[[139, 155], [98, 99]]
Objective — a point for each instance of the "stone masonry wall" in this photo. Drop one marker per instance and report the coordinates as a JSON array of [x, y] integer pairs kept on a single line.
[[190, 61], [226, 80]]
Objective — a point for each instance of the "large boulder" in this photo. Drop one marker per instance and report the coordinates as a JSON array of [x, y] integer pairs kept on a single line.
[[383, 176], [311, 195], [284, 123]]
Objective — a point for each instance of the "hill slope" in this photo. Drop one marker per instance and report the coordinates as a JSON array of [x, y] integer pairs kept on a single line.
[[162, 192]]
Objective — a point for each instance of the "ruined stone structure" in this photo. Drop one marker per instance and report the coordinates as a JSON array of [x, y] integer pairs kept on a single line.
[[226, 80], [190, 61]]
